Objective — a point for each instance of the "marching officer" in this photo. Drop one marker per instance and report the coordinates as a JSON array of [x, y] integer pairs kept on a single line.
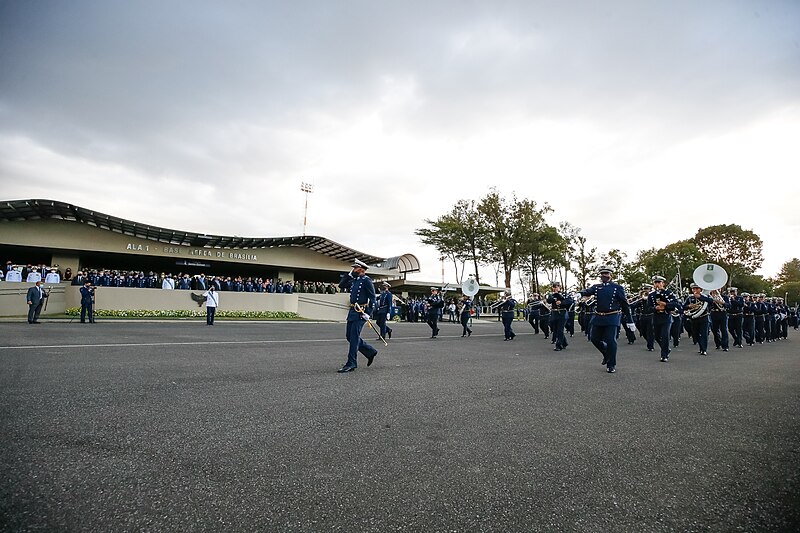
[[384, 307], [533, 306], [611, 306], [362, 296]]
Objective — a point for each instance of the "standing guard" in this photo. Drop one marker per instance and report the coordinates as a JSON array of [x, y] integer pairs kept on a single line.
[[362, 296], [611, 305]]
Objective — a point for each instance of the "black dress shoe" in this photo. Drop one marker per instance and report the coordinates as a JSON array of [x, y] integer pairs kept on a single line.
[[371, 358], [605, 361], [611, 370], [469, 334], [346, 368]]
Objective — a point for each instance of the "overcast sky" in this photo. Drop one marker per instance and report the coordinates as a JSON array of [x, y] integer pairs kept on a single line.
[[639, 122]]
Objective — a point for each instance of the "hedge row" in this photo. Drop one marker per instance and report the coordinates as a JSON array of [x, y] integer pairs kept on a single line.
[[181, 313]]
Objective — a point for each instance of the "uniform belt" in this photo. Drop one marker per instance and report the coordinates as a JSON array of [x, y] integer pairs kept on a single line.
[[609, 313], [735, 314]]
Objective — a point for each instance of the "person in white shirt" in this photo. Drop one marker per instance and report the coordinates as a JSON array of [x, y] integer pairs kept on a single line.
[[52, 277], [168, 282], [212, 302]]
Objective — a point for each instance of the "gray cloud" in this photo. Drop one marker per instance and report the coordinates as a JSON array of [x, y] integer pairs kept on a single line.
[[236, 101]]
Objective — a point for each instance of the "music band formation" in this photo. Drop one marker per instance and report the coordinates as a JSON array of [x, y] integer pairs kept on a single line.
[[603, 311]]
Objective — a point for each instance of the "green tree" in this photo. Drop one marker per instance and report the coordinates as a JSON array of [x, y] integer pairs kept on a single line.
[[509, 224], [790, 291], [737, 250], [457, 235], [790, 271], [545, 246]]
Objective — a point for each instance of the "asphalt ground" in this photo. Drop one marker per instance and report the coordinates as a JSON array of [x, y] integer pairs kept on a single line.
[[177, 426]]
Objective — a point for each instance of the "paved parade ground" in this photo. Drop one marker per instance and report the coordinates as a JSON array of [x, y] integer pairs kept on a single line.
[[246, 426]]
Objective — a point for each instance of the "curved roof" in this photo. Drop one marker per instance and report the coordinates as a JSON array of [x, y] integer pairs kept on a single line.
[[49, 209]]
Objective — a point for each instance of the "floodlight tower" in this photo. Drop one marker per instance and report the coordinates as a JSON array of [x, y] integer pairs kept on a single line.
[[306, 188]]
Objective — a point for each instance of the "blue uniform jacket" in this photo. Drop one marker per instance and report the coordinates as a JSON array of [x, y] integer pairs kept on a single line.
[[611, 304], [362, 292]]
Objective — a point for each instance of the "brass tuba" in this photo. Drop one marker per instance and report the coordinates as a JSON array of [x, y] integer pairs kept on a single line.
[[709, 277]]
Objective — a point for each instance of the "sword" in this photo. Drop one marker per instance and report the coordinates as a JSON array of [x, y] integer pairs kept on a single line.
[[364, 315]]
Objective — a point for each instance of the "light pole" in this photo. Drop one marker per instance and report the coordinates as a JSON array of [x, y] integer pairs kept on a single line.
[[306, 188]]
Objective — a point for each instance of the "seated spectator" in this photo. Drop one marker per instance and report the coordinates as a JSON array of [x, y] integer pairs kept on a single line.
[[68, 274]]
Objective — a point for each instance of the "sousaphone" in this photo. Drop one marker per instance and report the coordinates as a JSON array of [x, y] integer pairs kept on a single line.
[[470, 287], [709, 277]]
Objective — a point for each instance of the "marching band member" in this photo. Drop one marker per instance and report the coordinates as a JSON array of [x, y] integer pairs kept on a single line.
[[612, 304], [662, 302], [760, 313], [464, 315], [783, 319], [362, 295], [434, 303], [700, 323], [559, 304], [735, 322], [719, 320], [749, 319], [507, 309], [533, 306]]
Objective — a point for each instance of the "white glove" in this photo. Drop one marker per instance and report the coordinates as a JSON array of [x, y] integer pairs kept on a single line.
[[365, 316], [631, 326]]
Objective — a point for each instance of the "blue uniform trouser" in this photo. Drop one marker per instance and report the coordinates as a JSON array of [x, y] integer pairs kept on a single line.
[[87, 308], [508, 319], [558, 320], [533, 320], [357, 344], [380, 318], [719, 328], [760, 332], [210, 312], [465, 323], [749, 328], [604, 339], [570, 323], [544, 323], [433, 322], [661, 329], [675, 330], [735, 327], [700, 332]]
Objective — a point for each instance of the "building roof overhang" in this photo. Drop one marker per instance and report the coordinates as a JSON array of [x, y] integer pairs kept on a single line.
[[37, 209]]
